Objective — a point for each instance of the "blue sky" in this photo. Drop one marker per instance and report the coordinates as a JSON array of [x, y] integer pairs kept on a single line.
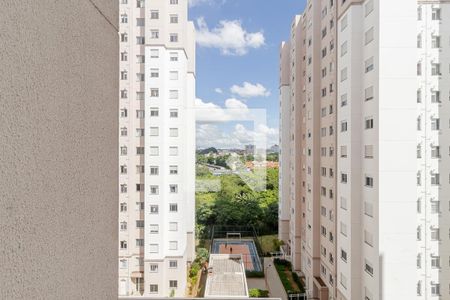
[[237, 64]]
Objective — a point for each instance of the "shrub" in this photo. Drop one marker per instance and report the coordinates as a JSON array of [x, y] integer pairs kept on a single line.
[[254, 274], [202, 255], [257, 293]]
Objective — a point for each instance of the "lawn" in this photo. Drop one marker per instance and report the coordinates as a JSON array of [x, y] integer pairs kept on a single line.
[[267, 243], [291, 285]]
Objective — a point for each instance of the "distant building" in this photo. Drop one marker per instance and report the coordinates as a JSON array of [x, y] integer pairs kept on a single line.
[[274, 149], [249, 149]]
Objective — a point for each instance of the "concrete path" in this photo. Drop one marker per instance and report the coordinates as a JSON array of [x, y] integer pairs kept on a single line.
[[276, 288], [257, 283]]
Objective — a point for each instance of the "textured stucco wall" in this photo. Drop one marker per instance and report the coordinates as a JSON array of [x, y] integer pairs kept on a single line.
[[58, 149]]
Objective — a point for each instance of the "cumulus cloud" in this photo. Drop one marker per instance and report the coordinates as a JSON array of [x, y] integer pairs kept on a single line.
[[211, 135], [249, 90], [229, 36], [218, 91], [193, 3], [209, 112]]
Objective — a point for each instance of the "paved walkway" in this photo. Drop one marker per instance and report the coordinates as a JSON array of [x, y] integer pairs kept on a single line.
[[276, 288]]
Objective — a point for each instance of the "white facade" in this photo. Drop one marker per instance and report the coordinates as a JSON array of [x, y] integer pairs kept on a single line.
[[157, 140], [433, 141]]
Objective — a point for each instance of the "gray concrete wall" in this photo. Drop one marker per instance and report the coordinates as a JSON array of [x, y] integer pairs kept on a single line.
[[58, 149]]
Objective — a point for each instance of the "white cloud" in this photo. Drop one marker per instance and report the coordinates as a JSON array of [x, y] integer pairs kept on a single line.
[[218, 91], [211, 135], [193, 3], [234, 110], [229, 37], [249, 90]]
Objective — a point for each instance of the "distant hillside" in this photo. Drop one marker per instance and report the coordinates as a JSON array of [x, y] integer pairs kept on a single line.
[[208, 150]]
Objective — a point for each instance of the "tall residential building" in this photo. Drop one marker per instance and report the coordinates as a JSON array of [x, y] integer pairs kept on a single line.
[[157, 147], [364, 162], [58, 133]]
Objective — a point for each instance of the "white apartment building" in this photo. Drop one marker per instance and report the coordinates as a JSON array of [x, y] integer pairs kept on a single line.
[[157, 147], [390, 163]]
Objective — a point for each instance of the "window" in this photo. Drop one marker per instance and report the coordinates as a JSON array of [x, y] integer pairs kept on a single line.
[[154, 73], [140, 22], [154, 15], [435, 41], [153, 288], [435, 261], [154, 131], [343, 48], [368, 181], [139, 187], [343, 229], [369, 7], [344, 74], [173, 132], [174, 37], [174, 113], [419, 68], [435, 178], [343, 126], [173, 284], [173, 94], [173, 170], [173, 75], [154, 112], [344, 178], [154, 228], [419, 13], [154, 34], [368, 151], [436, 14], [154, 92], [123, 188], [368, 36], [123, 226], [435, 97], [173, 151], [140, 132], [139, 223], [368, 268], [173, 188], [419, 288], [344, 100], [123, 150], [435, 207], [435, 124], [419, 41], [123, 245], [154, 53], [173, 56], [173, 1], [139, 96], [369, 123], [435, 151], [154, 170], [123, 169], [173, 245], [344, 203], [123, 263], [174, 19], [173, 226], [436, 69], [140, 40], [343, 281], [140, 77], [343, 151], [435, 289], [124, 94], [344, 23], [368, 238], [153, 268], [124, 56], [434, 234], [124, 75], [154, 190], [154, 151], [173, 264], [154, 248], [369, 65], [140, 169], [173, 207], [140, 114], [124, 37], [154, 209], [123, 131], [140, 150]]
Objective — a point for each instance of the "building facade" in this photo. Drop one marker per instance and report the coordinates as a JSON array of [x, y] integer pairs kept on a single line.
[[157, 147], [365, 150]]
